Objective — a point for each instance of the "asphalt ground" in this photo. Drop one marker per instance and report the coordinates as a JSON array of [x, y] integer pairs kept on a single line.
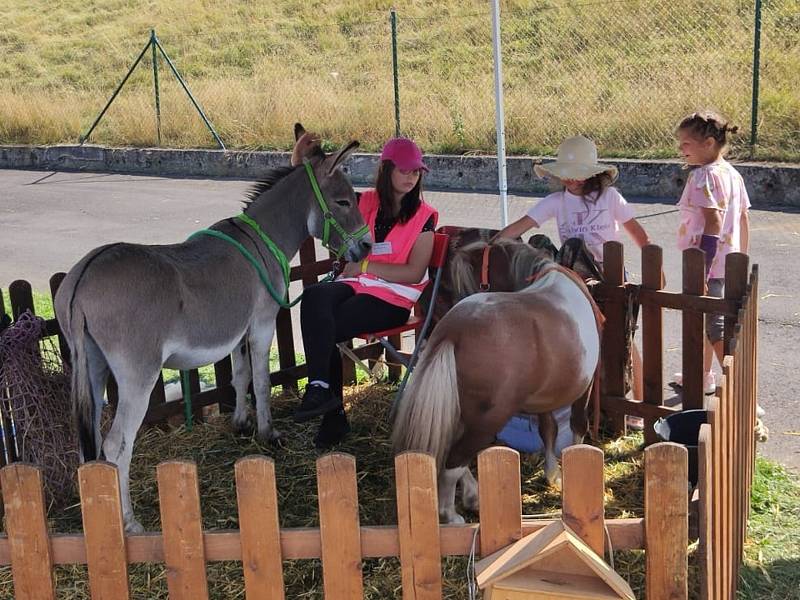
[[48, 221]]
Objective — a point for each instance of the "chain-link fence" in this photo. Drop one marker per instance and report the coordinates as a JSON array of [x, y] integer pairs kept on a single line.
[[778, 76], [622, 72]]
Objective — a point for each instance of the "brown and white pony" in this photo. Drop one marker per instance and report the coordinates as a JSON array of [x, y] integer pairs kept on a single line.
[[497, 354]]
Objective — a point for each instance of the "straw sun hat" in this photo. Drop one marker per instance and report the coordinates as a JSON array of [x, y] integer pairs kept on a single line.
[[577, 159]]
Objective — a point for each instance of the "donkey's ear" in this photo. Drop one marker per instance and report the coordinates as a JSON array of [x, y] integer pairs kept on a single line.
[[299, 130], [336, 160]]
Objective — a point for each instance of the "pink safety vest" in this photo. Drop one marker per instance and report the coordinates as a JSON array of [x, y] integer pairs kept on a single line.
[[402, 237]]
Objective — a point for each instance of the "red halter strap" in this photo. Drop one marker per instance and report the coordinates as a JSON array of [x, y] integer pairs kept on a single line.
[[484, 287]]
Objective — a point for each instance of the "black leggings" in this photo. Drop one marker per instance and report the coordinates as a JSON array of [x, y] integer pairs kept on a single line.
[[332, 312]]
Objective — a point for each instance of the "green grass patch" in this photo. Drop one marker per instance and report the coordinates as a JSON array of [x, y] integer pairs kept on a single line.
[[772, 552], [42, 304]]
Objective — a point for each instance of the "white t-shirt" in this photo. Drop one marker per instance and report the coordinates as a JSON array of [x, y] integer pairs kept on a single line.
[[594, 222]]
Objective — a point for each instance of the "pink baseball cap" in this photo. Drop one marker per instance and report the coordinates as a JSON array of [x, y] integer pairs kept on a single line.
[[404, 153]]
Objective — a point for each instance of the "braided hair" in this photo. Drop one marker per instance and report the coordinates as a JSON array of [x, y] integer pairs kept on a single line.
[[708, 124]]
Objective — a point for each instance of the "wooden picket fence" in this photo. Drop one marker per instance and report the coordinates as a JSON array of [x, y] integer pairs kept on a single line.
[[340, 541], [727, 458], [617, 296], [727, 444]]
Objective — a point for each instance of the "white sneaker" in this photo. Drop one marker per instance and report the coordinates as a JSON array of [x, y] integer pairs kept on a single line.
[[709, 382], [760, 412]]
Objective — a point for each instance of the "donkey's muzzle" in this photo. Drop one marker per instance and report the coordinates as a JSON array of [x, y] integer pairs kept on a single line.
[[365, 246], [358, 250]]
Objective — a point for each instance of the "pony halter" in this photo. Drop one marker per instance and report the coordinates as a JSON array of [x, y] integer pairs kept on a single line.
[[329, 220]]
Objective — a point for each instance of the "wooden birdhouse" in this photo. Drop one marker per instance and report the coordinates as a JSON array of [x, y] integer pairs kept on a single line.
[[553, 563]]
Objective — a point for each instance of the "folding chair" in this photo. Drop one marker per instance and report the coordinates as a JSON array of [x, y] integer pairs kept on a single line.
[[415, 322]]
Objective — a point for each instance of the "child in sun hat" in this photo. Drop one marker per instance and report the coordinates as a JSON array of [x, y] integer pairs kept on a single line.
[[587, 207], [714, 215]]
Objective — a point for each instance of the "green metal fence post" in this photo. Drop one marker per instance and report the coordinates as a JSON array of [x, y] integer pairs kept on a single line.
[[155, 84], [756, 77], [188, 93], [86, 135], [393, 18]]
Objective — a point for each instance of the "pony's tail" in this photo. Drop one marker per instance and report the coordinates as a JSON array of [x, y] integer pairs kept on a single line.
[[81, 389], [430, 411]]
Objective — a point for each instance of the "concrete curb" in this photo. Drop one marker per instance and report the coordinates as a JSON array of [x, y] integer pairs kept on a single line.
[[768, 184]]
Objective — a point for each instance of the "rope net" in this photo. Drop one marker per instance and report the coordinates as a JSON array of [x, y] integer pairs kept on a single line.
[[37, 422]]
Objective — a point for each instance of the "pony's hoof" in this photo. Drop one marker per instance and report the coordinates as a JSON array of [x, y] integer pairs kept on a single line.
[[555, 481], [133, 527], [761, 431], [271, 436], [471, 503], [242, 425], [451, 518]]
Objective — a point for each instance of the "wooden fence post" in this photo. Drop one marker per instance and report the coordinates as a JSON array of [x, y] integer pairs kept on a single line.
[[500, 498], [55, 283], [582, 494], [339, 526], [21, 296], [182, 530], [705, 526], [26, 526], [693, 330], [613, 343], [727, 491], [223, 376], [666, 517], [104, 530], [259, 527], [652, 337], [418, 526], [736, 266]]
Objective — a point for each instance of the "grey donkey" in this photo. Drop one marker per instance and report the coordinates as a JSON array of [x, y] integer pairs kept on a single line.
[[131, 309]]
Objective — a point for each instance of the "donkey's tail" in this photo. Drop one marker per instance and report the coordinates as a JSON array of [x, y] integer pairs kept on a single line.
[[428, 416], [83, 406]]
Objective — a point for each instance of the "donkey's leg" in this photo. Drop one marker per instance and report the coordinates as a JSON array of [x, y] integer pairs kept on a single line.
[[447, 494], [548, 429], [260, 341], [134, 392], [469, 491], [98, 377], [241, 380]]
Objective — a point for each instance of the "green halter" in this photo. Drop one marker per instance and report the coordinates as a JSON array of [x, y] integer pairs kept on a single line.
[[328, 222]]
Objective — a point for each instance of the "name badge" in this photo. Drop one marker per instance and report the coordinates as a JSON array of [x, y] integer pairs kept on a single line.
[[381, 248]]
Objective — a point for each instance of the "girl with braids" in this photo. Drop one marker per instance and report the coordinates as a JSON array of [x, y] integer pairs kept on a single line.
[[714, 216]]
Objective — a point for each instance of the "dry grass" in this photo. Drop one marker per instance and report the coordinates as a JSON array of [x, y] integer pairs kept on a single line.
[[622, 72], [215, 449]]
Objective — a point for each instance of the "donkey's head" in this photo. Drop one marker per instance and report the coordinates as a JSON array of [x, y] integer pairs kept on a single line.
[[334, 217]]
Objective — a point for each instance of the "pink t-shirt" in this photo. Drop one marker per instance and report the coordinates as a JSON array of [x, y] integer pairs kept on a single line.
[[716, 185], [594, 222]]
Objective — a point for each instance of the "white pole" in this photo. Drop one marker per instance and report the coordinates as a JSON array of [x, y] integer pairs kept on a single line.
[[502, 184]]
